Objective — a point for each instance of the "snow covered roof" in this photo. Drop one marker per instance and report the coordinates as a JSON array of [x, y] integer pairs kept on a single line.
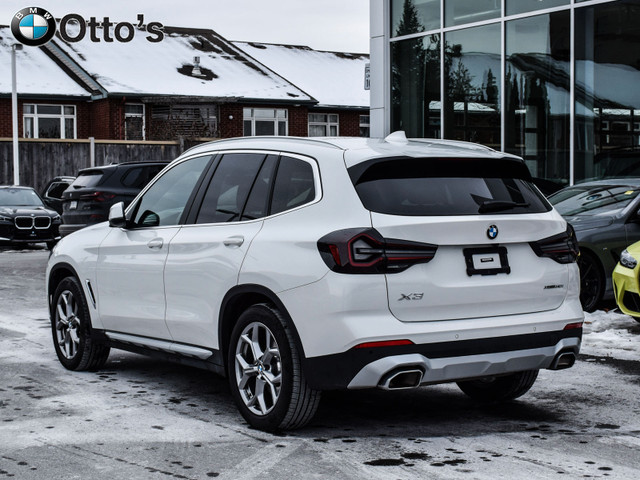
[[166, 68], [36, 73], [333, 78]]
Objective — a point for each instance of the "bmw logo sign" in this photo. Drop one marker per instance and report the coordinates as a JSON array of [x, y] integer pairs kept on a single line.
[[33, 26], [492, 232]]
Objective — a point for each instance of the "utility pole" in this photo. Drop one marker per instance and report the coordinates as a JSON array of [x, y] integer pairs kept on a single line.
[[14, 112]]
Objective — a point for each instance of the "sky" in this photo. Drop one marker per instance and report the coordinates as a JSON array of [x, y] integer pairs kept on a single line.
[[336, 25]]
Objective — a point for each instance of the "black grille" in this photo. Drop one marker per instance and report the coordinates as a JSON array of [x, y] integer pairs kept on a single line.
[[42, 222], [631, 301], [24, 222]]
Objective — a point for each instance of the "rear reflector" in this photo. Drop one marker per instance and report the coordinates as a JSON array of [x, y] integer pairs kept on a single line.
[[384, 343], [571, 326]]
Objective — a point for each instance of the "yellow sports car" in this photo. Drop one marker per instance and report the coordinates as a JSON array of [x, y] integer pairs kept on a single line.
[[626, 286]]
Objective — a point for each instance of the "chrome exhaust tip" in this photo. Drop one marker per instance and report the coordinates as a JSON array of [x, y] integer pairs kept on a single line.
[[402, 379], [563, 360]]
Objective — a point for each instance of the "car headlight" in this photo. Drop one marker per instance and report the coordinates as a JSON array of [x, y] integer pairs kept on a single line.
[[4, 219], [627, 260]]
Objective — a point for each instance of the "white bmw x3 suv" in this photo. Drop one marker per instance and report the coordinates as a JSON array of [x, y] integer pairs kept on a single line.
[[294, 266]]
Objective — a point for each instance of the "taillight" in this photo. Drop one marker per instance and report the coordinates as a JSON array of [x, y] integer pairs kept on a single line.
[[98, 196], [364, 250], [563, 248]]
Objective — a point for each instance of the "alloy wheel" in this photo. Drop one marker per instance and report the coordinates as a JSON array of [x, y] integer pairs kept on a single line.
[[67, 324], [258, 368]]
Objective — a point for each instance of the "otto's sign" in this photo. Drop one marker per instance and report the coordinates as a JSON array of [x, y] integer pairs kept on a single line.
[[35, 26]]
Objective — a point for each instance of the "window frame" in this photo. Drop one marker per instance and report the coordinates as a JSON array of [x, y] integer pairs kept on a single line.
[[327, 123], [249, 115], [196, 202], [135, 115], [62, 117]]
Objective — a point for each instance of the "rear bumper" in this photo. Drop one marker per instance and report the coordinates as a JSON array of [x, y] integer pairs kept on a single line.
[[441, 362]]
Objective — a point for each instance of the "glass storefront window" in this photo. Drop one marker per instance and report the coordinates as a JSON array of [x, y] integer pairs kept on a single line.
[[472, 85], [414, 16], [521, 6], [458, 12], [537, 93], [607, 104], [415, 86]]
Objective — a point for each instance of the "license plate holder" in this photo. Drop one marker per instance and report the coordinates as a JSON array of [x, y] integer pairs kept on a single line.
[[486, 261]]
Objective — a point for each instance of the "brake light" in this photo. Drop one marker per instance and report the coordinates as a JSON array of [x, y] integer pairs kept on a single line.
[[98, 196], [563, 248], [364, 250], [384, 343]]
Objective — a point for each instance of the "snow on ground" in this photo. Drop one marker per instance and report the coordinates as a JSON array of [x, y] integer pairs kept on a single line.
[[611, 334]]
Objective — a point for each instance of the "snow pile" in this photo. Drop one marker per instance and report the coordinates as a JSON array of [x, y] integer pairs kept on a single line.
[[611, 334]]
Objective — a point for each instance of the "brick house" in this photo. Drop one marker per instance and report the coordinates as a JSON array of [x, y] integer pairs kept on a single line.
[[194, 84]]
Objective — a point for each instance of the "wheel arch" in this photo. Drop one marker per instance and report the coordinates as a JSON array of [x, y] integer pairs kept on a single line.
[[237, 300], [58, 273]]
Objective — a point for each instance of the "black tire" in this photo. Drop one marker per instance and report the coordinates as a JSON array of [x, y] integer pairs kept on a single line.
[[591, 281], [71, 328], [268, 384], [500, 389]]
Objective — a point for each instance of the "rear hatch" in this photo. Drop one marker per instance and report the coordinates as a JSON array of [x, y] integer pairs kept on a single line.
[[485, 217], [84, 201]]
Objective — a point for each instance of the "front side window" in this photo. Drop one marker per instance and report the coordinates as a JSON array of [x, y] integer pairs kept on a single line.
[[49, 121], [265, 121], [323, 125], [165, 201]]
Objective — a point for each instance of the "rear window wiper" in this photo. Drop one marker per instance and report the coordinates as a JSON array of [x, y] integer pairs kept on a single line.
[[499, 205]]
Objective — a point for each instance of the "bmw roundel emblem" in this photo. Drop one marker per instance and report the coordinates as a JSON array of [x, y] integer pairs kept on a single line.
[[33, 26], [492, 232]]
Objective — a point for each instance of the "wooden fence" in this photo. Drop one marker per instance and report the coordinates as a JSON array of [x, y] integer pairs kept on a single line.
[[42, 159]]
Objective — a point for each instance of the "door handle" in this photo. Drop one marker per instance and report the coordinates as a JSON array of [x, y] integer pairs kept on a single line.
[[234, 241], [156, 243]]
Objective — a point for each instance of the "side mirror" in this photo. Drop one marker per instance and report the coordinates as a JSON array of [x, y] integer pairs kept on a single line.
[[116, 216]]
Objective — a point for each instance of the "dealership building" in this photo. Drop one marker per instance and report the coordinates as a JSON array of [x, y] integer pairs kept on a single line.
[[554, 81]]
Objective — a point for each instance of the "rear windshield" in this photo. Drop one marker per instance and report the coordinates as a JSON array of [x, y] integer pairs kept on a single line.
[[88, 179], [436, 187]]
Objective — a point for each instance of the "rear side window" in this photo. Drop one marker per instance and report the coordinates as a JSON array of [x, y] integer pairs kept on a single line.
[[88, 179], [450, 186], [229, 188], [138, 177], [294, 185], [56, 190]]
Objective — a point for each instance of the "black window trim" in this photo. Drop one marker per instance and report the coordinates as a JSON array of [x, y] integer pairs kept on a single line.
[[194, 204]]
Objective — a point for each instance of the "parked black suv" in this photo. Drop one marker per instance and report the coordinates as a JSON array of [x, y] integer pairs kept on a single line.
[[88, 199]]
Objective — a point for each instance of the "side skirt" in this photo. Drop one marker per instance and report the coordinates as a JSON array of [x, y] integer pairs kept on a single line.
[[208, 359]]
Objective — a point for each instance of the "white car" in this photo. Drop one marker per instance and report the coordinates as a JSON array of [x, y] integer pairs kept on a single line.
[[297, 265]]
